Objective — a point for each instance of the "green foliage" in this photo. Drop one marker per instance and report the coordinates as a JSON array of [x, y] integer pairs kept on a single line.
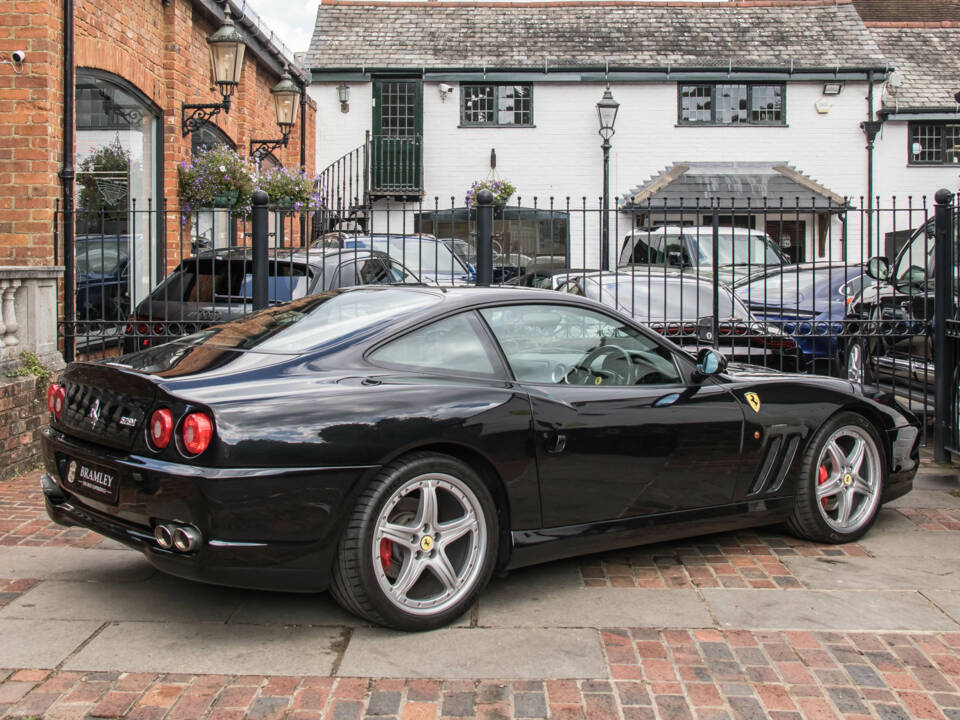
[[212, 172], [297, 187], [30, 365], [502, 191]]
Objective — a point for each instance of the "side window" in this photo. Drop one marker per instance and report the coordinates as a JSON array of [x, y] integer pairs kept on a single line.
[[576, 346], [373, 271], [399, 274], [346, 275], [450, 345]]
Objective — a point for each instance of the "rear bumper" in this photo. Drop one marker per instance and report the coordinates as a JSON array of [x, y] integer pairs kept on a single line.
[[261, 528]]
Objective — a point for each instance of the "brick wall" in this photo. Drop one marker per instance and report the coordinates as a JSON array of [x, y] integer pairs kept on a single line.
[[23, 411], [30, 141], [162, 51]]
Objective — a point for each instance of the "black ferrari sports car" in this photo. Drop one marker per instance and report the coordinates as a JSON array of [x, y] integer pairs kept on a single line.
[[397, 445]]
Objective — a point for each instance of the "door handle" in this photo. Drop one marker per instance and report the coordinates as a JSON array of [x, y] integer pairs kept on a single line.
[[556, 443]]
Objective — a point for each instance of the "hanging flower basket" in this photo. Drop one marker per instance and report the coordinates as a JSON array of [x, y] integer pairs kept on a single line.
[[216, 177], [502, 191], [291, 189]]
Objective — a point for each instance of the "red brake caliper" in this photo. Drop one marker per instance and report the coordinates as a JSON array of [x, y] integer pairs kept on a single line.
[[386, 551], [822, 476]]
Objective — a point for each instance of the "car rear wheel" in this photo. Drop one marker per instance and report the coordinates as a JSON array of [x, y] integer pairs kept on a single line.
[[419, 546], [839, 481], [857, 362]]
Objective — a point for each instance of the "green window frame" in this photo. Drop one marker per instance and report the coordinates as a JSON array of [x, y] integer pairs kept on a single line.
[[731, 104], [496, 104]]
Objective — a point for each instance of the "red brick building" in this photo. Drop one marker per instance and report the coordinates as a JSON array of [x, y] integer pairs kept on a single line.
[[135, 64]]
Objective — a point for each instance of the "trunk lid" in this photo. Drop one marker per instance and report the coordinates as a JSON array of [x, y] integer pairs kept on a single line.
[[105, 404]]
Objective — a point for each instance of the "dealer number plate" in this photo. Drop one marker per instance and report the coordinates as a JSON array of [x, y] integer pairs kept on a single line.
[[95, 482]]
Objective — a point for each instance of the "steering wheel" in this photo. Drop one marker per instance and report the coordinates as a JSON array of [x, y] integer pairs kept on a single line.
[[580, 374]]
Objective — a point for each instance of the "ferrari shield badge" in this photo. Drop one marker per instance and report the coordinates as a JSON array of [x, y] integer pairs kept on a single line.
[[753, 400]]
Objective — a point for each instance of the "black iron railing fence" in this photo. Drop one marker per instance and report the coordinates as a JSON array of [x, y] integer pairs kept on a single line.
[[384, 166], [798, 286]]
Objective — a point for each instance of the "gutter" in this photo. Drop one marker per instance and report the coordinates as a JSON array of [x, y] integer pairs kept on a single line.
[[919, 110], [67, 176], [598, 73]]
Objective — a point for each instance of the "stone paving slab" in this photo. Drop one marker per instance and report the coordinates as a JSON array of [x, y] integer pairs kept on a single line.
[[866, 573], [474, 654], [902, 538], [926, 499], [198, 648], [523, 604], [947, 600], [71, 563], [847, 610], [162, 598], [41, 643]]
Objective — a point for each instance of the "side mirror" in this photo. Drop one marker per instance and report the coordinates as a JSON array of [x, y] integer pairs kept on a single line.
[[710, 362], [675, 258], [705, 330], [878, 268]]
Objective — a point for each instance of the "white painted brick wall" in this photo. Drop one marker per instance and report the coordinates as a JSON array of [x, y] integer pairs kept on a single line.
[[561, 156]]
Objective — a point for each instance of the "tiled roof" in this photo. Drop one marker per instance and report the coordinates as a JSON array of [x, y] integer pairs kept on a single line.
[[928, 61], [757, 183], [450, 35]]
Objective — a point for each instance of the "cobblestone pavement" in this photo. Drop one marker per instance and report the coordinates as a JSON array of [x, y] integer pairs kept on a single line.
[[703, 673]]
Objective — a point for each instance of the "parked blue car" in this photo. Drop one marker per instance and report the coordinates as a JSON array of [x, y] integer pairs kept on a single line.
[[809, 302]]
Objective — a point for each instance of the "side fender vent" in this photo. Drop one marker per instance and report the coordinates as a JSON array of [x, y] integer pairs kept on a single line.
[[782, 445], [773, 449]]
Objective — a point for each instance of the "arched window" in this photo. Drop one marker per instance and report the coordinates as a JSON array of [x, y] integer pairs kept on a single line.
[[209, 135], [118, 179]]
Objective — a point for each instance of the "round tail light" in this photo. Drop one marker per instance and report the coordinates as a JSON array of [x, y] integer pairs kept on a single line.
[[196, 433], [56, 399], [161, 428]]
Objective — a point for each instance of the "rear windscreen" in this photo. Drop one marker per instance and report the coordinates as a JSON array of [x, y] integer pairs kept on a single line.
[[316, 321]]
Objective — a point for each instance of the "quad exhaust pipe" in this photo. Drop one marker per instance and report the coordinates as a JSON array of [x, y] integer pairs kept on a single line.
[[182, 538]]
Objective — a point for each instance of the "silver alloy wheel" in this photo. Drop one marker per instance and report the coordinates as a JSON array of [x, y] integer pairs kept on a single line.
[[848, 479], [439, 547], [855, 363]]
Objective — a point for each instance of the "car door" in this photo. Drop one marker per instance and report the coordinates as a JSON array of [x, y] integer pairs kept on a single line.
[[619, 430]]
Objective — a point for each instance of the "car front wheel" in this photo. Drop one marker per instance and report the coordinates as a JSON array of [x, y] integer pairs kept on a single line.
[[839, 481], [420, 544]]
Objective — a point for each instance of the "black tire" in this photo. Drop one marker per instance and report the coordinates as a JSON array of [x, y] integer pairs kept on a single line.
[[355, 579], [808, 519], [856, 361]]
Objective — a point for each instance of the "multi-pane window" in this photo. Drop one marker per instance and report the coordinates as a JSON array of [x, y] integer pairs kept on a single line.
[[934, 144], [496, 104], [731, 104]]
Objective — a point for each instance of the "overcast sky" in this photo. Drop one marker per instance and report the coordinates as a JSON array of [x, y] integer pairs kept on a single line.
[[292, 20]]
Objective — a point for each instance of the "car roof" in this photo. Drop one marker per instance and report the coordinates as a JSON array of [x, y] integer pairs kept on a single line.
[[667, 272], [694, 230], [313, 257]]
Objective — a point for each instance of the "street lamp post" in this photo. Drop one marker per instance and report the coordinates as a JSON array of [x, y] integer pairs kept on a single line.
[[607, 114]]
